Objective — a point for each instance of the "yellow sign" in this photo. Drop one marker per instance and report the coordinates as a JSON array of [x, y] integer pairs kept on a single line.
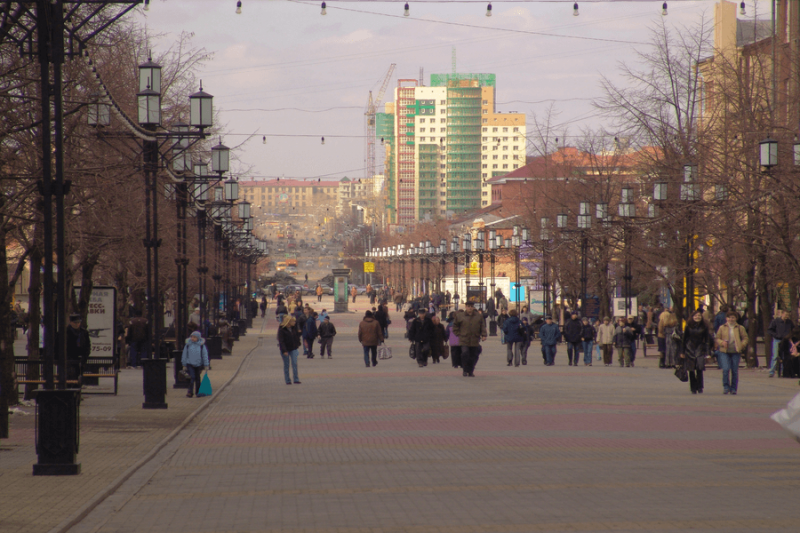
[[474, 269], [369, 267]]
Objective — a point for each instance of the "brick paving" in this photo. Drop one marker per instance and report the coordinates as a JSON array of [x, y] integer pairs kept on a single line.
[[116, 433], [398, 449]]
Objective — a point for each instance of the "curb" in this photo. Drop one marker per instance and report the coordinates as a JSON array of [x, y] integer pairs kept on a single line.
[[88, 507]]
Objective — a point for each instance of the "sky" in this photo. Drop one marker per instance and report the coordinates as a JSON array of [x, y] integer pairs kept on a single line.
[[282, 70]]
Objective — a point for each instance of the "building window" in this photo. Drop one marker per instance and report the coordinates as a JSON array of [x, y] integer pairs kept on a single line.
[[422, 121], [442, 202], [442, 166], [442, 120], [485, 120], [442, 193], [494, 166], [442, 102], [505, 156], [442, 130], [486, 102], [484, 139], [494, 156], [505, 130], [516, 129], [516, 166], [443, 157], [505, 166], [494, 147], [485, 111], [484, 175], [484, 193], [422, 130], [494, 130], [484, 166], [484, 147], [442, 175], [485, 202], [516, 147], [484, 156], [505, 139], [505, 147]]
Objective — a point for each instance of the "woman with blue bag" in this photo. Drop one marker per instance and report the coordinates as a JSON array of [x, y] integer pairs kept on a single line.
[[194, 360]]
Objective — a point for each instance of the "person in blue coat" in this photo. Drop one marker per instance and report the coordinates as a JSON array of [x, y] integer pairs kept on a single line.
[[513, 337], [194, 360], [310, 332], [549, 335]]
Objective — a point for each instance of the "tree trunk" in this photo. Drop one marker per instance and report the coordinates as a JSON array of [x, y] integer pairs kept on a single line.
[[9, 394], [87, 271], [764, 304]]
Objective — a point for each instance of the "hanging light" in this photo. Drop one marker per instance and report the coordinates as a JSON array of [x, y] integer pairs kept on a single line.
[[201, 109], [231, 190], [150, 76], [324, 11], [574, 14], [405, 10], [489, 10], [220, 158], [664, 9], [147, 5], [264, 139], [323, 140], [239, 7], [741, 9]]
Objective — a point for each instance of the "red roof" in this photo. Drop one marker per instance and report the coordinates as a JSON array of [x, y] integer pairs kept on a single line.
[[289, 183]]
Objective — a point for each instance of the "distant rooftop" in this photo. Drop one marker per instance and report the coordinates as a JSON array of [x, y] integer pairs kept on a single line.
[[752, 31], [283, 182]]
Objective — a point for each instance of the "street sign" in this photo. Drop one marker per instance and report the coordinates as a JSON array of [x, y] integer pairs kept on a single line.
[[474, 269], [369, 267]]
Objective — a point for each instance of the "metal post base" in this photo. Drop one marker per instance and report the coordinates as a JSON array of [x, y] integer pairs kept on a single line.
[[214, 347], [154, 382], [58, 432]]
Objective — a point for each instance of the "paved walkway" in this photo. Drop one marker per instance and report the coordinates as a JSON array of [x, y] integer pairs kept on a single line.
[[404, 449], [116, 434]]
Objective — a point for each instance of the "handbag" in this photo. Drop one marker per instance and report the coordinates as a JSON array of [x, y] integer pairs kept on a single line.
[[411, 352], [384, 352], [682, 374], [676, 336]]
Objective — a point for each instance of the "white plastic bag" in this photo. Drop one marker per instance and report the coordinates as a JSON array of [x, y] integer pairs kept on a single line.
[[384, 352], [789, 418]]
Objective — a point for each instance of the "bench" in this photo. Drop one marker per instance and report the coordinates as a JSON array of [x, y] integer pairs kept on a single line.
[[102, 367], [29, 371]]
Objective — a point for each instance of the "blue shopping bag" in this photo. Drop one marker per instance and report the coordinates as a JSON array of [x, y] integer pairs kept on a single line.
[[205, 386]]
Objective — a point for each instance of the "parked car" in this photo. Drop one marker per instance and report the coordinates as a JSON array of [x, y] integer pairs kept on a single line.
[[310, 263], [294, 287], [361, 289]]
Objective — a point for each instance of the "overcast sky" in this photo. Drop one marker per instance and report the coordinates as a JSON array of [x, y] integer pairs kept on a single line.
[[282, 70]]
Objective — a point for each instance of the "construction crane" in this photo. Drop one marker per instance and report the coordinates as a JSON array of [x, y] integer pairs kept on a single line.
[[369, 129]]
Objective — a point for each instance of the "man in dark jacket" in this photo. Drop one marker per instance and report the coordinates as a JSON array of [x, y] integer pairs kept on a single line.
[[513, 338], [310, 331], [421, 334], [136, 338], [370, 335], [79, 346], [572, 336], [327, 331], [470, 328], [382, 316], [288, 343], [549, 335], [780, 328]]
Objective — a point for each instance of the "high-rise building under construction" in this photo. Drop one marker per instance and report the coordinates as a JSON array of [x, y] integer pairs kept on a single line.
[[442, 142]]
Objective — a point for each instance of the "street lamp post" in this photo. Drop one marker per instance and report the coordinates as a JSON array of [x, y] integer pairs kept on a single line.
[[584, 224], [466, 245], [544, 236]]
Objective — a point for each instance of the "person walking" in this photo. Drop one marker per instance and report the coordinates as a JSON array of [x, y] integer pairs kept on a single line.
[[420, 332], [695, 346], [636, 332], [470, 328], [501, 319], [353, 293], [572, 336], [398, 301], [622, 340], [310, 332], [732, 341], [667, 326], [370, 336], [194, 359], [318, 291], [79, 346], [438, 340], [281, 311], [327, 331], [549, 335], [513, 338], [382, 316], [605, 339], [263, 306], [527, 336], [288, 343], [588, 335], [452, 340], [779, 329], [136, 338]]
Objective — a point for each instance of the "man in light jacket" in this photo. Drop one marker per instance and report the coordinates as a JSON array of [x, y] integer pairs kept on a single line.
[[732, 342], [605, 338], [549, 335], [470, 328]]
